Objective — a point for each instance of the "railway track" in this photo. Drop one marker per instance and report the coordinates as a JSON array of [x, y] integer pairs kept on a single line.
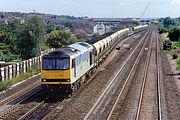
[[41, 109], [18, 94], [12, 102], [140, 110], [100, 107], [34, 113], [35, 107], [158, 79], [53, 114], [115, 111]]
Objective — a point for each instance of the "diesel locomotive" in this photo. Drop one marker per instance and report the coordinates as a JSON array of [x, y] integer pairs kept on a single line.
[[65, 69]]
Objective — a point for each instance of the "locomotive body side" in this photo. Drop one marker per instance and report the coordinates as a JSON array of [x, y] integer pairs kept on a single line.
[[62, 69]]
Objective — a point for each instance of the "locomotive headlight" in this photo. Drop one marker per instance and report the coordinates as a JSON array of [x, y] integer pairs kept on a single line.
[[44, 80], [68, 80]]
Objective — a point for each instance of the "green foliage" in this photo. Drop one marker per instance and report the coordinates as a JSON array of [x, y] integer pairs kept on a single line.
[[69, 17], [177, 64], [163, 30], [31, 37], [8, 83], [168, 21], [165, 24], [51, 27], [174, 34], [5, 54], [175, 45], [8, 48], [60, 38], [24, 41], [69, 24]]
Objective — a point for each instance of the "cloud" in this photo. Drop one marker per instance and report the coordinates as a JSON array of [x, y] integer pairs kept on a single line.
[[175, 1]]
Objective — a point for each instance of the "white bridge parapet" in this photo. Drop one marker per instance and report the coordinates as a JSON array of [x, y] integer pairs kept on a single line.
[[11, 71]]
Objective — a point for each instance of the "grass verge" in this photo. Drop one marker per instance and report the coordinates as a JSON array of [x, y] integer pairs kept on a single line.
[[8, 83]]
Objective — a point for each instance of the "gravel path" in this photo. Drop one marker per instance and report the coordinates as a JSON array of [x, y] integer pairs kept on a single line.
[[172, 96]]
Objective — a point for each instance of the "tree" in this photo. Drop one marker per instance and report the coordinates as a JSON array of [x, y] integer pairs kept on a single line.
[[174, 34], [8, 39], [31, 37], [50, 27], [60, 38], [8, 46], [69, 24], [168, 21], [163, 30], [5, 54]]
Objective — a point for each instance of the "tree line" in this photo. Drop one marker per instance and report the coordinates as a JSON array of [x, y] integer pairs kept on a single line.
[[170, 26], [27, 40]]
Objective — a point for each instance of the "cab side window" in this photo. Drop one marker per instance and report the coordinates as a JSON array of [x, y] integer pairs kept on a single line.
[[90, 58], [73, 63]]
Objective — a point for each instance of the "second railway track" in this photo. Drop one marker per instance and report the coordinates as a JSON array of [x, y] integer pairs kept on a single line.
[[11, 103], [142, 100], [40, 110], [150, 99], [100, 109]]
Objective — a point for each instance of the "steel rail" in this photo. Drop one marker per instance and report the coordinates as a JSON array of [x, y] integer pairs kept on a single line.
[[158, 80], [51, 113], [13, 107], [144, 81], [116, 102], [32, 111], [20, 93], [101, 96], [158, 84]]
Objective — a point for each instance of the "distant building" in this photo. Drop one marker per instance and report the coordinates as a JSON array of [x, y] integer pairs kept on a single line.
[[116, 21], [102, 29], [6, 17]]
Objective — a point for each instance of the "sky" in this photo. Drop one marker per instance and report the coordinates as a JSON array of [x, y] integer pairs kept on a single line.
[[96, 8]]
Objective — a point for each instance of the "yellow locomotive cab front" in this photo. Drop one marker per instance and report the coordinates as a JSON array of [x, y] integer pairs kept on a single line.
[[55, 70], [56, 76]]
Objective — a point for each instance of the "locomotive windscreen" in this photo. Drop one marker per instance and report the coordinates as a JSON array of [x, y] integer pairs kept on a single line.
[[55, 64]]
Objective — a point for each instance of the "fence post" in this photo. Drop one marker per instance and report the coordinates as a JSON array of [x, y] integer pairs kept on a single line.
[[35, 62], [39, 61], [20, 68], [7, 73], [17, 69], [14, 70], [10, 71], [30, 63], [2, 74], [24, 66]]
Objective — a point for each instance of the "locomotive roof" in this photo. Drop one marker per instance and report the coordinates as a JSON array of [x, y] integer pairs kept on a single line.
[[70, 50], [61, 52], [81, 46]]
